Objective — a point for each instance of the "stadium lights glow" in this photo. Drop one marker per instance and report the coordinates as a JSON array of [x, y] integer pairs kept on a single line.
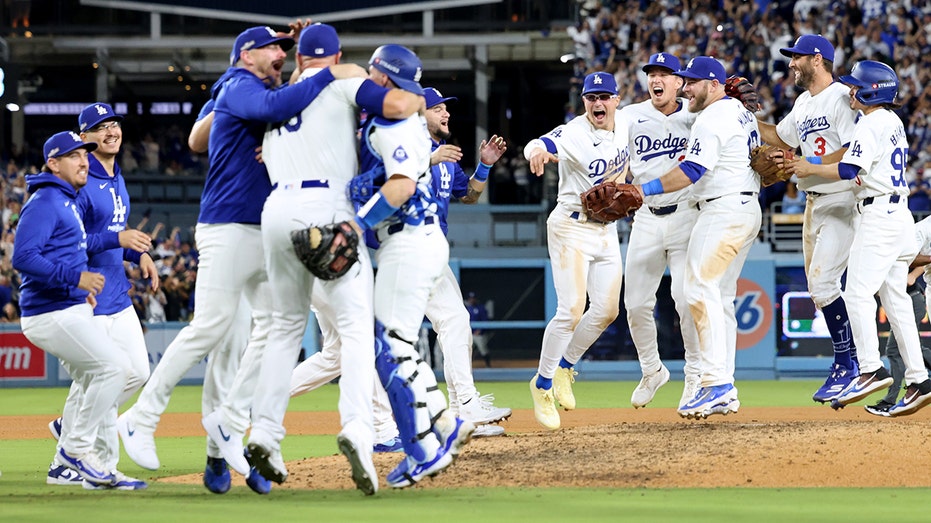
[[12, 107], [566, 58]]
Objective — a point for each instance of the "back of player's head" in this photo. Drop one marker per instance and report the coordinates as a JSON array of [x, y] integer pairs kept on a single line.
[[401, 65], [877, 82], [318, 40]]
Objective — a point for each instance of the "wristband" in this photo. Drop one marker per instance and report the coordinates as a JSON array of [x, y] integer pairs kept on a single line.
[[373, 212], [481, 172], [814, 160], [652, 187]]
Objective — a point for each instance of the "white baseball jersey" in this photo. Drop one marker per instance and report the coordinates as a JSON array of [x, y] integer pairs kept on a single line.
[[820, 125], [923, 238], [657, 145], [880, 148], [586, 156], [721, 140]]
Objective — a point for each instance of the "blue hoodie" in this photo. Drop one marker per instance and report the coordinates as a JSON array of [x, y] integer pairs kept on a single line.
[[50, 247], [237, 185], [104, 206]]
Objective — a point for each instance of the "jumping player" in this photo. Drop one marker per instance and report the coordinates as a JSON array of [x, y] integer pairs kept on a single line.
[[725, 188], [659, 131], [228, 234], [821, 124], [585, 255], [884, 242]]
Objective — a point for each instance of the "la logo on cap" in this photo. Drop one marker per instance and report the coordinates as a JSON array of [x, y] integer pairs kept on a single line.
[[597, 80], [661, 58], [100, 110]]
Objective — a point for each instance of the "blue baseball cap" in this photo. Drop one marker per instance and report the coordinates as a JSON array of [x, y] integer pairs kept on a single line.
[[63, 143], [318, 40], [95, 113], [703, 68], [434, 97], [665, 60], [256, 37], [599, 83], [810, 45]]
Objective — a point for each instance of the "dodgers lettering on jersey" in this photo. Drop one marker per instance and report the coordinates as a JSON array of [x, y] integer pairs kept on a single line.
[[657, 145], [586, 157], [820, 125], [880, 149], [721, 140], [449, 181]]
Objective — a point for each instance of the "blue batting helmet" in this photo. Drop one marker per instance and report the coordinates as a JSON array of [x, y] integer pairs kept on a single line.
[[401, 65], [877, 81]]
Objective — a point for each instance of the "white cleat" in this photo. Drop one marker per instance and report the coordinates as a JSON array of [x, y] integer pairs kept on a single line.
[[138, 441], [649, 384], [481, 410], [228, 441]]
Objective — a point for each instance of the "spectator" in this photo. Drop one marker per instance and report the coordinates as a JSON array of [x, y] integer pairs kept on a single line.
[[478, 312], [793, 201], [919, 196]]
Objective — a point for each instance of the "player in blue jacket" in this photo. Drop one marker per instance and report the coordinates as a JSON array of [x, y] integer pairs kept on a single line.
[[104, 207], [57, 297], [228, 236]]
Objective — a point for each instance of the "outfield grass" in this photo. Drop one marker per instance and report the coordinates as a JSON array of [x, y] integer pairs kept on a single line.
[[25, 497]]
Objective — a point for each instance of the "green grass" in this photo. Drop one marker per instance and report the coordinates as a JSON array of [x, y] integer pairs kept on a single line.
[[24, 497]]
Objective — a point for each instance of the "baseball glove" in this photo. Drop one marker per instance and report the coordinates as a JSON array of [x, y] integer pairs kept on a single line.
[[763, 161], [740, 88], [609, 201], [328, 251]]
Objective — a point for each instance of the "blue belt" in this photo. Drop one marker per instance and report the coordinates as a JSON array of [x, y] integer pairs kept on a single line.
[[306, 184], [576, 215], [892, 199], [400, 226], [663, 211]]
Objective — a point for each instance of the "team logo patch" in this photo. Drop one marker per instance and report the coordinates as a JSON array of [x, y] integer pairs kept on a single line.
[[100, 110], [399, 154]]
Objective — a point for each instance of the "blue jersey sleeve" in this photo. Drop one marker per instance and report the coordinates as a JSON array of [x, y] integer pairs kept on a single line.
[[371, 97], [28, 245], [206, 109], [250, 99], [460, 182]]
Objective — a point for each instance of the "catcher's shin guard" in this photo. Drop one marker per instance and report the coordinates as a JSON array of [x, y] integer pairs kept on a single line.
[[398, 367]]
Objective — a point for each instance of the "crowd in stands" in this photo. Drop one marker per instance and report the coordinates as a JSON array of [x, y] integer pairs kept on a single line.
[[619, 36]]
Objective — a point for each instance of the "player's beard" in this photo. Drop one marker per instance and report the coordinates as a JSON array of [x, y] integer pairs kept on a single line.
[[699, 99], [806, 75], [443, 135]]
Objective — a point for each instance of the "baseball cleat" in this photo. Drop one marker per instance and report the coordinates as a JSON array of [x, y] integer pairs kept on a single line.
[[62, 475], [392, 445], [255, 481], [409, 472], [544, 406], [488, 431], [227, 440], [217, 475], [866, 384], [364, 474], [649, 384], [880, 409], [138, 441], [917, 395], [120, 482], [481, 410], [717, 399], [268, 462], [453, 433], [840, 379], [54, 427], [562, 387], [690, 389], [88, 466]]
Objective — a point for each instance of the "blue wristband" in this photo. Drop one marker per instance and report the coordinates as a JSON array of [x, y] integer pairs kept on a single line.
[[481, 172], [814, 160], [373, 212], [652, 187]]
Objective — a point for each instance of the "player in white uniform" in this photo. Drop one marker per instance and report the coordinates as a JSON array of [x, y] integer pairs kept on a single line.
[[659, 131], [585, 255], [821, 124], [411, 257], [309, 166], [729, 217], [884, 244]]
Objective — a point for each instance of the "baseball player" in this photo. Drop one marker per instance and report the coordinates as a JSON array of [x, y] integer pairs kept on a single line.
[[57, 297], [309, 166], [884, 243], [585, 255], [659, 131], [223, 364], [821, 124], [104, 208], [411, 257], [717, 163], [228, 235], [446, 310]]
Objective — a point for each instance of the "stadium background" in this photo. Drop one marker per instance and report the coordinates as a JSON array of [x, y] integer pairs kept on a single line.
[[512, 64]]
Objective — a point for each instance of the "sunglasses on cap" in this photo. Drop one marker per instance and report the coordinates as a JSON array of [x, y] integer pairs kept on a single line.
[[604, 97]]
